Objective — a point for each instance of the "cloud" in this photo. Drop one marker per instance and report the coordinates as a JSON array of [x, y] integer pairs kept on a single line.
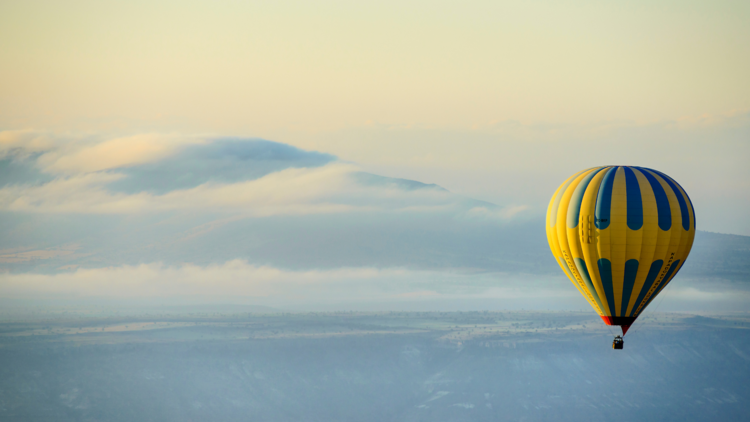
[[57, 154], [114, 153], [76, 194], [235, 277], [221, 199], [25, 142], [15, 256], [210, 156], [369, 179], [16, 170], [147, 173], [225, 160], [70, 155], [154, 173], [496, 213], [293, 191], [238, 279]]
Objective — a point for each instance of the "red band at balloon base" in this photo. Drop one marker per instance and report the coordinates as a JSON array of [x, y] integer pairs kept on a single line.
[[623, 322]]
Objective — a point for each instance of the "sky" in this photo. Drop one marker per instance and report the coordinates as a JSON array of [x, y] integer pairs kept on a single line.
[[345, 151]]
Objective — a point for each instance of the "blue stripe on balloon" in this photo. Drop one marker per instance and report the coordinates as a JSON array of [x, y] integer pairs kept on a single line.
[[680, 199], [689, 202], [605, 272], [574, 207], [672, 269], [584, 272], [662, 202], [653, 272], [664, 281], [631, 271], [604, 200], [635, 205]]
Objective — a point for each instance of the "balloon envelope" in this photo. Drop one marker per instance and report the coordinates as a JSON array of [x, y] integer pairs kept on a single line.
[[620, 233]]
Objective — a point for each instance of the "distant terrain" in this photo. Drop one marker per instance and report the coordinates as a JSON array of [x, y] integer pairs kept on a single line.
[[717, 255], [207, 365]]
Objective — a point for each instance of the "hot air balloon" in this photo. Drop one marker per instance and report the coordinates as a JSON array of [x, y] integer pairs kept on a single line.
[[621, 234]]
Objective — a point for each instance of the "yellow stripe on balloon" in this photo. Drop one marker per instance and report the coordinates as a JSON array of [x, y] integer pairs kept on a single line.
[[667, 243], [551, 230], [682, 240], [618, 227], [562, 237], [588, 234], [649, 235], [555, 244]]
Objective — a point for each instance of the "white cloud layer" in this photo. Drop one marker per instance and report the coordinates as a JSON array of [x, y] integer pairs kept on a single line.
[[237, 278], [239, 282]]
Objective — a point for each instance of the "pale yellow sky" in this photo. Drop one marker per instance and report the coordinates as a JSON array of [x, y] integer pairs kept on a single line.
[[261, 68], [475, 96]]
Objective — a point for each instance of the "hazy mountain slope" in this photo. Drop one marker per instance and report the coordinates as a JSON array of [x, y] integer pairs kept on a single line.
[[717, 255]]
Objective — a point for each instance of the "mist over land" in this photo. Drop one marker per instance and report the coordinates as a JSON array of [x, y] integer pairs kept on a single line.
[[431, 366]]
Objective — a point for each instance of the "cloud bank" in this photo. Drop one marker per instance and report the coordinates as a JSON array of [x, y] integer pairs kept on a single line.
[[230, 219], [153, 173], [239, 282]]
